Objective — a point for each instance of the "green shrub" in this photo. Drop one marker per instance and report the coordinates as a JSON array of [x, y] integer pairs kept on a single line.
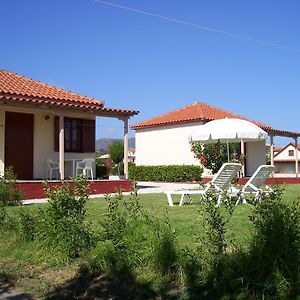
[[101, 168], [268, 267], [27, 226], [182, 173], [3, 213], [213, 156], [132, 241], [275, 247], [116, 153], [9, 194], [116, 169], [61, 227]]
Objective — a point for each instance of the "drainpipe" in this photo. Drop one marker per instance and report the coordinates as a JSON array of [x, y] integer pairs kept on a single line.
[[61, 147]]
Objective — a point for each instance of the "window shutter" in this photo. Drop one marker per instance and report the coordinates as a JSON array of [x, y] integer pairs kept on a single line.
[[56, 133], [88, 135]]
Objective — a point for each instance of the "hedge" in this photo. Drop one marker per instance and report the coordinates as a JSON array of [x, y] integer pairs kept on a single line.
[[184, 173]]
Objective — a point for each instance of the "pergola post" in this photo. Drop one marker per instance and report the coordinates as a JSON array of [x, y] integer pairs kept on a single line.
[[272, 149], [125, 120], [61, 147], [243, 154], [296, 157]]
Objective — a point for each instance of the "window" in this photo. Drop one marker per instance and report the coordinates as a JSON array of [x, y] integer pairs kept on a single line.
[[79, 135], [291, 152], [73, 135]]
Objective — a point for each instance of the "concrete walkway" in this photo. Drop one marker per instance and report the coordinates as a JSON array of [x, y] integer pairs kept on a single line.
[[9, 293], [144, 187]]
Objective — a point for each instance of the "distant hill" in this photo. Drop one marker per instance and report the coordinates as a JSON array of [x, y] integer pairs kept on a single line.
[[103, 144]]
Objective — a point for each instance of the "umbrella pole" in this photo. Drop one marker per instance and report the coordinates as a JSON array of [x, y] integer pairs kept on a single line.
[[227, 151]]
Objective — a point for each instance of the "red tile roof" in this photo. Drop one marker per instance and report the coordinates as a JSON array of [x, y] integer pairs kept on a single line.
[[195, 112], [18, 88]]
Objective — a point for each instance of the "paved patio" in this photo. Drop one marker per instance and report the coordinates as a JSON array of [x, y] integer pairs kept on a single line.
[[144, 187]]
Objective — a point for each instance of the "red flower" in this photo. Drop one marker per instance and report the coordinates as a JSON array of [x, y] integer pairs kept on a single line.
[[203, 160]]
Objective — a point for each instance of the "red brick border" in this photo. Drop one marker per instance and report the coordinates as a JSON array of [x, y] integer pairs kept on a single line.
[[35, 190]]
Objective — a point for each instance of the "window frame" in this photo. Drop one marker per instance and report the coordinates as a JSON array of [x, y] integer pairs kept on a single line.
[[85, 137]]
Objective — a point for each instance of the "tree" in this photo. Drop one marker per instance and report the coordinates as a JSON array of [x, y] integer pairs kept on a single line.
[[213, 156], [116, 152]]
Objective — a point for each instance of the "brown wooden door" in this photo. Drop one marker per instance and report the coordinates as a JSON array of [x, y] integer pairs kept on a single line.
[[19, 143]]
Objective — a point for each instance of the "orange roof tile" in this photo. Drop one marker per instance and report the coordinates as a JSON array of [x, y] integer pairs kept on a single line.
[[18, 88], [195, 112]]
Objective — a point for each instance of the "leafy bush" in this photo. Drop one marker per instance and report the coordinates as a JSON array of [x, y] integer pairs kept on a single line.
[[9, 194], [182, 173], [27, 226], [61, 227], [101, 169], [116, 169], [268, 267], [3, 213], [275, 247], [133, 240], [116, 153], [213, 156]]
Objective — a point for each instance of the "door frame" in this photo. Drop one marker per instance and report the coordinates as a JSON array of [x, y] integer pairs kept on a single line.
[[31, 158]]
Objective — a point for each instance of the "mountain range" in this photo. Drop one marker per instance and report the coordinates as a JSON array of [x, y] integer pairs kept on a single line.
[[103, 144]]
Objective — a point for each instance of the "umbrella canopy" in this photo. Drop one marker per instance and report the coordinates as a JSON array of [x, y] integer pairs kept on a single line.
[[228, 130]]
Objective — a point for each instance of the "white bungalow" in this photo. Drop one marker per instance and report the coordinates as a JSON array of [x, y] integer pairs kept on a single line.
[[40, 121], [163, 140], [284, 159]]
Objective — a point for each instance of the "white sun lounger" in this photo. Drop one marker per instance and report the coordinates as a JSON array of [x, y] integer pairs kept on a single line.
[[256, 183], [219, 183]]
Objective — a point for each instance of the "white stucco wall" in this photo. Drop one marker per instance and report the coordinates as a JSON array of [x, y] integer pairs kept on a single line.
[[284, 155], [255, 156], [166, 145], [43, 143]]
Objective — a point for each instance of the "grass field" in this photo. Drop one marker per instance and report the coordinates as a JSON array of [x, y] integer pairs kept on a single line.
[[33, 272]]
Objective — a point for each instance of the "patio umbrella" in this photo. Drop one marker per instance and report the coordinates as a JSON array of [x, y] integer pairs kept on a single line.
[[228, 130]]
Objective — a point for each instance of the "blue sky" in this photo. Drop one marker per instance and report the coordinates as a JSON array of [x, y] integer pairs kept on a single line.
[[135, 61]]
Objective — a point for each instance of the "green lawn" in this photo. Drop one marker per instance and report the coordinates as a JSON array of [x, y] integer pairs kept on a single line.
[[33, 272]]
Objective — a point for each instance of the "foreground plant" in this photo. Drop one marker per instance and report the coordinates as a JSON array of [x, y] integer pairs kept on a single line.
[[9, 194], [61, 227]]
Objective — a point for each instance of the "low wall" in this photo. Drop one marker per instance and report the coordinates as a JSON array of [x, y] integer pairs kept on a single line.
[[35, 189]]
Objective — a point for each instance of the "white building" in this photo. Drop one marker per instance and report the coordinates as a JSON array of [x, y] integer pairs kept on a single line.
[[284, 159], [39, 121], [163, 140]]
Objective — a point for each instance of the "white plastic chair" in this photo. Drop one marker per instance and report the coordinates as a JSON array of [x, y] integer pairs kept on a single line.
[[256, 183], [85, 166], [52, 166], [221, 182]]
